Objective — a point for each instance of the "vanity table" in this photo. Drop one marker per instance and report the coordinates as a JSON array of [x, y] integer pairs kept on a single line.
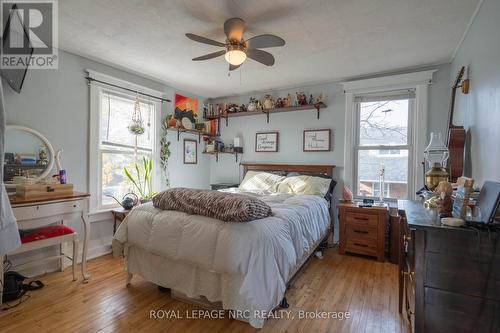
[[36, 213]]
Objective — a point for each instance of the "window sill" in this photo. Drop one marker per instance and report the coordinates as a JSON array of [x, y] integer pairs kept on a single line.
[[100, 215]]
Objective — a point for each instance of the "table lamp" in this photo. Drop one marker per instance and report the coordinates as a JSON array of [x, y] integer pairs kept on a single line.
[[436, 154]]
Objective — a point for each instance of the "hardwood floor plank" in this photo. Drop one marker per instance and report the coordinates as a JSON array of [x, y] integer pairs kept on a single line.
[[367, 289]]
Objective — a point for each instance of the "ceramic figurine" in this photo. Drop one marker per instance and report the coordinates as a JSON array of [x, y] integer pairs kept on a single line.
[[279, 103], [311, 99], [260, 107], [288, 100], [347, 193], [243, 108], [268, 102], [320, 98], [252, 105], [301, 98], [445, 202]]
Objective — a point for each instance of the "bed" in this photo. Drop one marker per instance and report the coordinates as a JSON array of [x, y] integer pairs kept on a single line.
[[244, 267]]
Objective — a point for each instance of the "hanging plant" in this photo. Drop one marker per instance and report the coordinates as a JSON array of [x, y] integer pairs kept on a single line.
[[136, 125], [165, 151]]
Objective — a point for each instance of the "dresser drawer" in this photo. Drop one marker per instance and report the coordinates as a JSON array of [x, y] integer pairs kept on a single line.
[[362, 246], [362, 219], [354, 231], [47, 210]]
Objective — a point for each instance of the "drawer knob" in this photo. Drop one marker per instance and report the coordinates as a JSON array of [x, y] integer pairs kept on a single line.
[[406, 238], [74, 206], [361, 218], [361, 231]]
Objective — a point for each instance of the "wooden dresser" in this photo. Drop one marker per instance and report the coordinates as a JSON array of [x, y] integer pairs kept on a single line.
[[362, 230], [449, 277]]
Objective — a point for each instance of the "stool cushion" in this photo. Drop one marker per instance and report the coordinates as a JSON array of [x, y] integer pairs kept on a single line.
[[50, 231]]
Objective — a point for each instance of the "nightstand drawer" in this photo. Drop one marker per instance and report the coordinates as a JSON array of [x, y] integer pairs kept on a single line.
[[362, 220], [361, 231], [362, 246]]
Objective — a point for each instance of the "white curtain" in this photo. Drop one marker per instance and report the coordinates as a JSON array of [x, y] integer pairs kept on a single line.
[[9, 235]]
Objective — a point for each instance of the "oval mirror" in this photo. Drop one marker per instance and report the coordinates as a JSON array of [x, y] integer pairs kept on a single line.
[[29, 156]]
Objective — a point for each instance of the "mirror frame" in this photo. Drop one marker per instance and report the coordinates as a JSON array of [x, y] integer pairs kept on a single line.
[[42, 138]]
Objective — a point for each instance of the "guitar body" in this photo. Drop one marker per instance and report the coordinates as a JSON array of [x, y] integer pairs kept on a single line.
[[456, 145], [456, 136]]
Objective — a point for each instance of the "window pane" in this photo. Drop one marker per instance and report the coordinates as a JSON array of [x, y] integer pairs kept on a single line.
[[396, 173], [116, 114], [114, 181], [384, 122]]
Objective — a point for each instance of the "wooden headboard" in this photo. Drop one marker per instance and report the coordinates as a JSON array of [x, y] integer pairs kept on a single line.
[[319, 169]]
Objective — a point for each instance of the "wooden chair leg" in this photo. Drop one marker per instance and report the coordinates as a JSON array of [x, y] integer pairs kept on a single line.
[[75, 257], [129, 278]]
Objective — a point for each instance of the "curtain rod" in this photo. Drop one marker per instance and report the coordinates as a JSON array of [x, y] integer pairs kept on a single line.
[[89, 79]]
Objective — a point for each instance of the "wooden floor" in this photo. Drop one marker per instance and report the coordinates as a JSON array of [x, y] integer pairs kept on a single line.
[[365, 288]]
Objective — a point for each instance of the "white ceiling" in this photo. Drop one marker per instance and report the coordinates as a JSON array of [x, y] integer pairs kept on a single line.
[[325, 39]]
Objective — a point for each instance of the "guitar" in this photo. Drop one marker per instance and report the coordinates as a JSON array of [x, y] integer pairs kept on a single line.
[[456, 135]]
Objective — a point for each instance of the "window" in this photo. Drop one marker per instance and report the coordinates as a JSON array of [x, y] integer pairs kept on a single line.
[[117, 147], [383, 140]]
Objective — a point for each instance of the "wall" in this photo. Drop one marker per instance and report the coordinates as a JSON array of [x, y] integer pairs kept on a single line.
[[56, 103], [479, 111], [291, 125]]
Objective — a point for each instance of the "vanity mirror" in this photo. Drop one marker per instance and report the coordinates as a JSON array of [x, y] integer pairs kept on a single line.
[[29, 156]]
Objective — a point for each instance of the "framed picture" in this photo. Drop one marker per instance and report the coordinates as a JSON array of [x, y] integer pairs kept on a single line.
[[317, 140], [266, 142], [190, 151]]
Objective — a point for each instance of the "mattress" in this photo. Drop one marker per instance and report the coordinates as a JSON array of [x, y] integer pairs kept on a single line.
[[260, 255]]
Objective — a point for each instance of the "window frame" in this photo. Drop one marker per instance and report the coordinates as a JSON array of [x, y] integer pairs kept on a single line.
[[357, 147], [419, 81], [95, 149]]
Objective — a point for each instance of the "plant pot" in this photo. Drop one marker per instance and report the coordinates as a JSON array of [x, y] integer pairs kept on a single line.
[[172, 122]]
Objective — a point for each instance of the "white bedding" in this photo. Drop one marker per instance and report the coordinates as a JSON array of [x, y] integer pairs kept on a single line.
[[262, 253]]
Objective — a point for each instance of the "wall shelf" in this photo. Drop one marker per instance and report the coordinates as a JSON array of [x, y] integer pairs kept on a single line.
[[216, 153], [267, 112], [191, 131]]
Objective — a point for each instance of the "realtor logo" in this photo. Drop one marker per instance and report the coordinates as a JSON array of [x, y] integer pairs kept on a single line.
[[30, 34]]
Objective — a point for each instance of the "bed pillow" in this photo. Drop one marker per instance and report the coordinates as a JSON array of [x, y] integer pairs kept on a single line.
[[264, 181], [228, 207], [305, 185]]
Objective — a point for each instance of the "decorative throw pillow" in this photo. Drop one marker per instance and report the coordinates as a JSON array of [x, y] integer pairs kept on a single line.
[[305, 185], [264, 181]]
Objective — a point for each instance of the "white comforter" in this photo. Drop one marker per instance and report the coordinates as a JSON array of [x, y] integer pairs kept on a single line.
[[264, 251]]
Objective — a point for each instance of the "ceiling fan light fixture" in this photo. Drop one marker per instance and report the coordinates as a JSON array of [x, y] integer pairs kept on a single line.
[[235, 55]]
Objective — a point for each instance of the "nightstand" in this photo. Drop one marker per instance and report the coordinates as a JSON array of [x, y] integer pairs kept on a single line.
[[222, 186], [119, 214], [363, 229]]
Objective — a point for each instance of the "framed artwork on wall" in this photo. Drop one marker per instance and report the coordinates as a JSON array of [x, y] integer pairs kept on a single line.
[[190, 151], [266, 142], [317, 140]]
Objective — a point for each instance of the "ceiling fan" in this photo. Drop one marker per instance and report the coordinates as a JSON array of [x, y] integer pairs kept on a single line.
[[236, 49]]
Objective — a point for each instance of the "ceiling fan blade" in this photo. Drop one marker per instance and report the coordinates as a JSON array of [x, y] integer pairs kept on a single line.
[[263, 41], [263, 57], [234, 29], [210, 55], [233, 67], [204, 40]]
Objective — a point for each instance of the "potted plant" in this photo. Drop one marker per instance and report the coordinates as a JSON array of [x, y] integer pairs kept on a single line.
[[171, 121], [142, 179]]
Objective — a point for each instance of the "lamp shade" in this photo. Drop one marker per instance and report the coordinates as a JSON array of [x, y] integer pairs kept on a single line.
[[436, 152], [235, 57]]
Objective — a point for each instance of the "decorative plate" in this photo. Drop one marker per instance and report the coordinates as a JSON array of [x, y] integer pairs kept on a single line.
[[186, 123]]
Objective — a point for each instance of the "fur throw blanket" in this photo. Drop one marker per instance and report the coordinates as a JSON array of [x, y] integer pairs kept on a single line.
[[228, 207]]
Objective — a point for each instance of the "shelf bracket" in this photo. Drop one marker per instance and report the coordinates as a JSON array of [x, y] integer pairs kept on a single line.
[[178, 135], [317, 109], [227, 120], [217, 157], [267, 116], [199, 137], [236, 157]]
